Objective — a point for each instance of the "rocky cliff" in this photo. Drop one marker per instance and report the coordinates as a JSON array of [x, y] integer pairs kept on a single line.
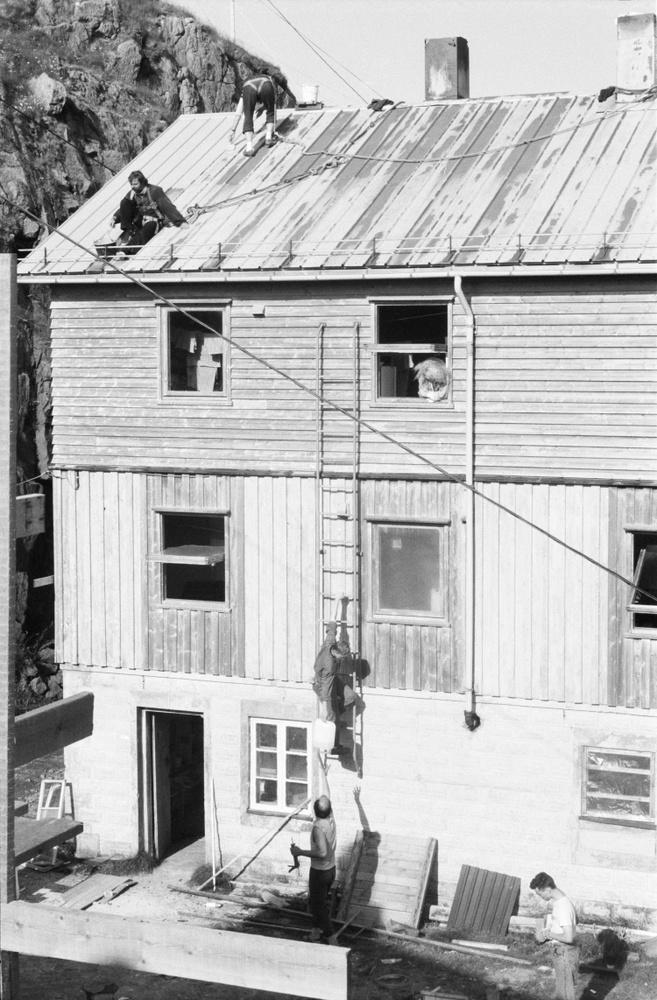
[[84, 86]]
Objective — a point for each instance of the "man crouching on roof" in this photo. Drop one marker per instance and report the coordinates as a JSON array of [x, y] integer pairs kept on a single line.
[[142, 213]]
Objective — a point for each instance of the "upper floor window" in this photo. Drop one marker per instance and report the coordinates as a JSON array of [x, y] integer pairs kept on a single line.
[[408, 571], [280, 765], [619, 785], [643, 603], [194, 357], [193, 557], [412, 351]]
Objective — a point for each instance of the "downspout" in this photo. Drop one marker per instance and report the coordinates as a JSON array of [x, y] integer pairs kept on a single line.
[[471, 718]]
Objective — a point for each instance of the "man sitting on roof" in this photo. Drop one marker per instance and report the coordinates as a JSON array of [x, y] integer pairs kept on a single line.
[[143, 212]]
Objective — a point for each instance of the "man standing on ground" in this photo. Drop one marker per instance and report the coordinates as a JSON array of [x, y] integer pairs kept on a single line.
[[559, 930], [323, 838]]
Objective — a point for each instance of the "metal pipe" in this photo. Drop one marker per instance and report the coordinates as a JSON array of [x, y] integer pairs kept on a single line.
[[470, 509]]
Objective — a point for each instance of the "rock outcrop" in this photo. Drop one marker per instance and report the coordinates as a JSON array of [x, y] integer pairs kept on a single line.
[[84, 86]]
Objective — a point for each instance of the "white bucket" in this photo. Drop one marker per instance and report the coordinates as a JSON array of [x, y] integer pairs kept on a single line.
[[309, 94]]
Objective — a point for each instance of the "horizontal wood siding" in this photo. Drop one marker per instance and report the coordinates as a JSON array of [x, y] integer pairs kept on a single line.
[[106, 377], [279, 611], [415, 657], [542, 621], [566, 381]]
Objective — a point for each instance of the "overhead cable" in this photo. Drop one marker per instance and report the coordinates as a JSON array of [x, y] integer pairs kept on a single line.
[[194, 319], [312, 46]]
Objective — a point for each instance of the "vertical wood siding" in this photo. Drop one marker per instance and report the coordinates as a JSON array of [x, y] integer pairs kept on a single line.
[[191, 640], [632, 665], [279, 578], [100, 569], [541, 611], [410, 656]]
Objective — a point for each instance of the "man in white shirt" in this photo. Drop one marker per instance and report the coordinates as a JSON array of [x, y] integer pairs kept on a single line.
[[559, 930]]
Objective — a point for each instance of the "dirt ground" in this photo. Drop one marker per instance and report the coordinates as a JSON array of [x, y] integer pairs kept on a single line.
[[383, 968]]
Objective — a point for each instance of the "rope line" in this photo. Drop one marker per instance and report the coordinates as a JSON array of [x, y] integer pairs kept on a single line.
[[311, 45], [464, 156], [346, 413]]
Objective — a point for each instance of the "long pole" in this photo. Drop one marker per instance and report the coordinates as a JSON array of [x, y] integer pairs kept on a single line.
[[9, 986]]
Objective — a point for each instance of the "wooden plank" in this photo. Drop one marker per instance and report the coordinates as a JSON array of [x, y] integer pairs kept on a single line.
[[30, 515], [46, 729], [427, 872], [32, 836], [172, 949]]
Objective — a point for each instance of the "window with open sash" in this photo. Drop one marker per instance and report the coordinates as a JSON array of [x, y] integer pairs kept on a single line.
[[643, 603], [193, 557], [280, 765], [619, 785], [408, 571], [412, 351], [195, 356]]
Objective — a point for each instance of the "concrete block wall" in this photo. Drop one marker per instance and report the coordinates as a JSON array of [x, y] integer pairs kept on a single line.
[[505, 797]]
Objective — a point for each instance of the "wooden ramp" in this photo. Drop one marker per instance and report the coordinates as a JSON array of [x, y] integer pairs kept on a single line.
[[389, 878], [484, 901]]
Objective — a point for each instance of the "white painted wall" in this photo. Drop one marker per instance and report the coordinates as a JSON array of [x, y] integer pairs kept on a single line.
[[505, 797]]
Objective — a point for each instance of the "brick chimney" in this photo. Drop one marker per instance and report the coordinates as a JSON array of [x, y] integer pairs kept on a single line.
[[636, 50], [446, 69]]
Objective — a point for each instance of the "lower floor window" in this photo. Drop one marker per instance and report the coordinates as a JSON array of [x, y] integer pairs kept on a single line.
[[619, 785], [280, 765]]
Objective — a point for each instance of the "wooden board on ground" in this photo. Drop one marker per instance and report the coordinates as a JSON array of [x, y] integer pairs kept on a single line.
[[169, 948], [484, 901], [95, 887], [32, 836], [388, 878]]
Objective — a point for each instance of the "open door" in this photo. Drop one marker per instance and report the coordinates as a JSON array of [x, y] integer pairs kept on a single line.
[[173, 780]]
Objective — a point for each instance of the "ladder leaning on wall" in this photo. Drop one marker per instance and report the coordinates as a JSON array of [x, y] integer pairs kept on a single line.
[[337, 507]]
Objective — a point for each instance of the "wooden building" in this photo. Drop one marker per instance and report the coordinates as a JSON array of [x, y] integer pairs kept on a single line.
[[240, 449]]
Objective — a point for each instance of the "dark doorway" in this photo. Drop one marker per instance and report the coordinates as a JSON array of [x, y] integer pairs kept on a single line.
[[173, 771]]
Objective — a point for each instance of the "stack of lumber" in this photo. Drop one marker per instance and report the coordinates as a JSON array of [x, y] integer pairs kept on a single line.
[[389, 878]]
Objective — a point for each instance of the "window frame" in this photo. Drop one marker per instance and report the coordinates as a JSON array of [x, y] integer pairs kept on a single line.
[[405, 402], [176, 396], [162, 558], [634, 571], [278, 808], [407, 617], [615, 819]]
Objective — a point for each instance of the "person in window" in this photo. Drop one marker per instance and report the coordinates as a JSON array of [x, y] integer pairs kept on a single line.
[[142, 213], [559, 930], [258, 95]]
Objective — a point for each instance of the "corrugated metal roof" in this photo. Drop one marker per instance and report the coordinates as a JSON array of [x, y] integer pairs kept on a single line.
[[536, 180]]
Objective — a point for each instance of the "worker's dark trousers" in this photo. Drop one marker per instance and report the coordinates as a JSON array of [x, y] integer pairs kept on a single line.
[[319, 886], [251, 96]]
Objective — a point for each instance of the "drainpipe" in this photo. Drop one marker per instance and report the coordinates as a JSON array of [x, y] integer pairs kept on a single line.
[[471, 718]]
